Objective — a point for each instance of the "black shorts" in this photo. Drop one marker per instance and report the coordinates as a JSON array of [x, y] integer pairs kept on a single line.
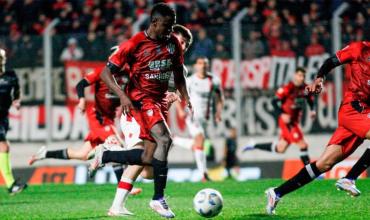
[[4, 127]]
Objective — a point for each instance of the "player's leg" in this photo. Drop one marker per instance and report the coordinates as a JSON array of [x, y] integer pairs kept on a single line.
[[80, 153], [161, 134], [347, 183], [6, 170], [13, 185], [124, 187], [303, 147], [197, 129], [332, 155], [199, 155]]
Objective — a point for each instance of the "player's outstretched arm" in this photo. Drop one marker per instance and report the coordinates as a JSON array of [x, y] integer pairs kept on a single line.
[[80, 88], [16, 93], [327, 66], [108, 79], [219, 103]]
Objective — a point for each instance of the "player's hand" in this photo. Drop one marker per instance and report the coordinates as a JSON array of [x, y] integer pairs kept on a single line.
[[285, 118], [316, 86], [172, 97], [126, 105], [312, 114], [191, 111], [16, 104], [82, 105]]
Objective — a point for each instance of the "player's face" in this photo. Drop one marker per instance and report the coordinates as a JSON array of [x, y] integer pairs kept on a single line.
[[202, 65], [183, 41], [299, 78], [164, 27]]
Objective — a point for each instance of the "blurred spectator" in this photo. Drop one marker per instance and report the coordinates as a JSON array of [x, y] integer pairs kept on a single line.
[[283, 50], [315, 48], [203, 46], [71, 52], [253, 47]]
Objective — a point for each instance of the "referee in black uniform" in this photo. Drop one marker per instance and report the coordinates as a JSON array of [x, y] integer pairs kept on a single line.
[[9, 95]]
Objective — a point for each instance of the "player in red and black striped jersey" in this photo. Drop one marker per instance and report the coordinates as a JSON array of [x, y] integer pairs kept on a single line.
[[353, 122], [9, 96], [289, 101]]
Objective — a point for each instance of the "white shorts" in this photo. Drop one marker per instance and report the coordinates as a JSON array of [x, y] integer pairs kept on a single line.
[[196, 126], [131, 132]]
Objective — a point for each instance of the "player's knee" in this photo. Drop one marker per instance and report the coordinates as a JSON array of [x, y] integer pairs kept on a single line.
[[368, 135], [4, 147], [324, 165], [147, 173], [165, 141]]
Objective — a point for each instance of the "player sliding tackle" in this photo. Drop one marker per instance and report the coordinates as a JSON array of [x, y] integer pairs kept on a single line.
[[289, 102], [100, 118], [153, 56], [353, 119], [203, 88], [131, 131]]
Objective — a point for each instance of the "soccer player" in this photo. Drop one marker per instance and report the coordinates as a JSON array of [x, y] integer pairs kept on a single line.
[[205, 92], [289, 101], [10, 95], [353, 119], [130, 129], [152, 56], [100, 118]]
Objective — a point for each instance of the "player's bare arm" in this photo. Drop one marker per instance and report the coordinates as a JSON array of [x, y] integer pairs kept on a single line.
[[180, 83], [316, 86], [219, 104], [126, 103]]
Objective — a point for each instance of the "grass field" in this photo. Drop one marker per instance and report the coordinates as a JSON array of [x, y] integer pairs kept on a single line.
[[246, 200]]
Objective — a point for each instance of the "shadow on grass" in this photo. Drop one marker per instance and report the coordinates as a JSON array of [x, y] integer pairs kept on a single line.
[[93, 217], [263, 216], [5, 203]]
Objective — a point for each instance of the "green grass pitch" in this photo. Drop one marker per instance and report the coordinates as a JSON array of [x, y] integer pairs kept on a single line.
[[242, 200]]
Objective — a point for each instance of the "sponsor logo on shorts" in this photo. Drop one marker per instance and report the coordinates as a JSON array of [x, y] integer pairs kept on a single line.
[[368, 115], [368, 82], [149, 112]]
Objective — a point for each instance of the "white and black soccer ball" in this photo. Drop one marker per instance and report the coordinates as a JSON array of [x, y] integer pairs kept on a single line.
[[208, 202]]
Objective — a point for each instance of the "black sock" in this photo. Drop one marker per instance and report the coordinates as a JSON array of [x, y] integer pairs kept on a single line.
[[264, 146], [304, 157], [306, 175], [57, 154], [160, 171], [118, 171], [361, 165], [132, 157]]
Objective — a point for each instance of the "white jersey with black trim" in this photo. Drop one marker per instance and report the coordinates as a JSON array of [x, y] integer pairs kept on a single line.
[[171, 82], [200, 92]]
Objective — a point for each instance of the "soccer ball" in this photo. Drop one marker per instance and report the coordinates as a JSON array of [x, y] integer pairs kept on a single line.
[[208, 202]]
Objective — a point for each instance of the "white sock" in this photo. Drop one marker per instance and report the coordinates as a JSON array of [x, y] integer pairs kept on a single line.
[[201, 161], [123, 189], [186, 143]]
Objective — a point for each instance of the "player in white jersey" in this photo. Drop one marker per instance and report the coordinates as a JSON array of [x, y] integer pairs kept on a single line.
[[206, 95]]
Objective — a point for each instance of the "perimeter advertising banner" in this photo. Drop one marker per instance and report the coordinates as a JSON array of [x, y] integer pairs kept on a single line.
[[260, 77]]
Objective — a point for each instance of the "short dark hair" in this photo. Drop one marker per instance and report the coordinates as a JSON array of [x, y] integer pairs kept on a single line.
[[163, 10], [300, 69], [183, 31], [201, 58]]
